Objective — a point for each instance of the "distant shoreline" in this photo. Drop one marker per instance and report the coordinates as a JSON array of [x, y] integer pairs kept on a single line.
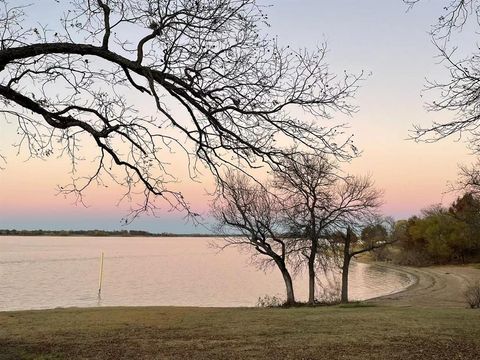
[[99, 233]]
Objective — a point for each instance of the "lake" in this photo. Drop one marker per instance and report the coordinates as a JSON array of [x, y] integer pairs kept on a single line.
[[50, 272]]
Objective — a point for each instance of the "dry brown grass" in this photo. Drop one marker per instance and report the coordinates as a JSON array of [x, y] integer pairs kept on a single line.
[[354, 332]]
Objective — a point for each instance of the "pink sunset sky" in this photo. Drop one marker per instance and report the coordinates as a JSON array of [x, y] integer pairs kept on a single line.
[[380, 37]]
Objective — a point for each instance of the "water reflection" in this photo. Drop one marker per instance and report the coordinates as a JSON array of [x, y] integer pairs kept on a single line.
[[48, 272]]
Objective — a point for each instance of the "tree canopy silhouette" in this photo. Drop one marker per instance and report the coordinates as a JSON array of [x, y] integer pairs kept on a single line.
[[460, 90], [222, 91]]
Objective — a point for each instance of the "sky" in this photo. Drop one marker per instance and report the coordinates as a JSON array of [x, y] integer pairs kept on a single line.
[[379, 37]]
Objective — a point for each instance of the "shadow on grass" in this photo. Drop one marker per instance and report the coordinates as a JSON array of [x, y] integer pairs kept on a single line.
[[357, 304], [283, 305]]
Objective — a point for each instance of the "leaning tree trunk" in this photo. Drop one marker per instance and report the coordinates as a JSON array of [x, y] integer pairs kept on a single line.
[[346, 265], [289, 287], [288, 281]]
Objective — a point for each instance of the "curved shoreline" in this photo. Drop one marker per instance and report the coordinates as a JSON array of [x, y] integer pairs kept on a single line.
[[403, 270], [434, 286]]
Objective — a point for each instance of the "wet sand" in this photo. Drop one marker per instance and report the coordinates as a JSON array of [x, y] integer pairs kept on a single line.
[[435, 286]]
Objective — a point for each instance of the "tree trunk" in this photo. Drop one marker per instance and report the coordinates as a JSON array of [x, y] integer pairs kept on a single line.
[[289, 287], [346, 265], [288, 281], [311, 273]]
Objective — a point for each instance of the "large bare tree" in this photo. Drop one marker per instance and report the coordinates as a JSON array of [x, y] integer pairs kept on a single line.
[[318, 199], [222, 90], [251, 211], [306, 190]]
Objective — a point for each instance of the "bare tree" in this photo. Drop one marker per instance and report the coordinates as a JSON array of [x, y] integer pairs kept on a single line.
[[460, 92], [221, 90], [317, 201], [360, 236], [248, 208], [469, 179], [298, 220], [305, 187]]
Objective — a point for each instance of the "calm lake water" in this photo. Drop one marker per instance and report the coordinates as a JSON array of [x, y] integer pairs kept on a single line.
[[49, 272]]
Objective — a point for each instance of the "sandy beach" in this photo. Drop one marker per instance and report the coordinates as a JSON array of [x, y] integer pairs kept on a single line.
[[435, 286]]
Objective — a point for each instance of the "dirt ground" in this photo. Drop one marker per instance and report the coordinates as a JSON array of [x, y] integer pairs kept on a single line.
[[436, 286]]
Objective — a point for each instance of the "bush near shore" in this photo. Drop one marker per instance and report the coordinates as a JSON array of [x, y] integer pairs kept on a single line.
[[438, 236]]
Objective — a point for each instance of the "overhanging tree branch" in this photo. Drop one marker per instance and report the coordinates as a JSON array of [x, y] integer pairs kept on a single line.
[[233, 88]]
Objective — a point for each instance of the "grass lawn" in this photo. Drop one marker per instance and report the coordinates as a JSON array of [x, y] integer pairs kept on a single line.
[[355, 332]]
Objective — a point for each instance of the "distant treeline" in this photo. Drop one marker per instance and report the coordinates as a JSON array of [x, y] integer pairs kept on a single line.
[[97, 233], [440, 235]]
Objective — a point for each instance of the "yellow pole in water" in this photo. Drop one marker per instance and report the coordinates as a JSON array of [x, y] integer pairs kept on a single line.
[[100, 276]]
